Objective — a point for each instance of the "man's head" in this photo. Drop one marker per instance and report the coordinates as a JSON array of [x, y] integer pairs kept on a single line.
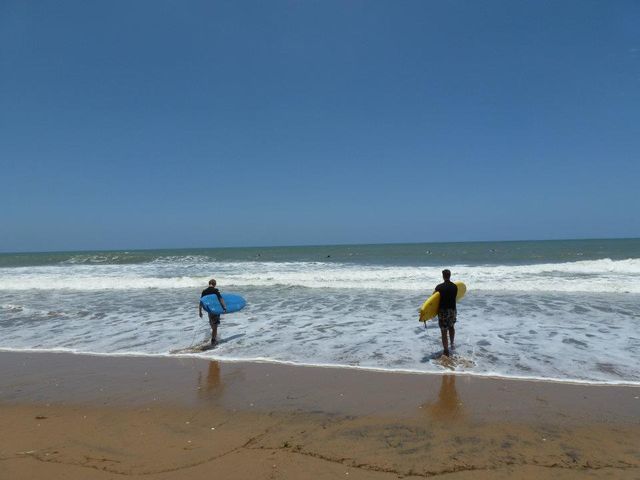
[[212, 282], [446, 274]]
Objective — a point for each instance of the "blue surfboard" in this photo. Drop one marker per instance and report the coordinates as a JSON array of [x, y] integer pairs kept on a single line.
[[233, 302]]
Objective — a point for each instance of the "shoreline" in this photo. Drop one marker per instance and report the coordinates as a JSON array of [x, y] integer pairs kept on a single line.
[[90, 417], [270, 361]]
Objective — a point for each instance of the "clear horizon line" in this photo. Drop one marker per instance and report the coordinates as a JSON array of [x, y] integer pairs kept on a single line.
[[309, 245]]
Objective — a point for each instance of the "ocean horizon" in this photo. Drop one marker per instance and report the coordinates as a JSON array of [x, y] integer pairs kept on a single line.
[[310, 245]]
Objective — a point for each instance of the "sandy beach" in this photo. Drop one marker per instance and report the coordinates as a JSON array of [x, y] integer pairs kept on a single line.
[[291, 240], [85, 417]]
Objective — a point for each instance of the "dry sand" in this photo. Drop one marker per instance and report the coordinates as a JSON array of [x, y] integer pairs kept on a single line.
[[88, 417]]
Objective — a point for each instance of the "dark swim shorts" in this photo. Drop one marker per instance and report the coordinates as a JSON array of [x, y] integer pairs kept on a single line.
[[214, 319], [446, 318]]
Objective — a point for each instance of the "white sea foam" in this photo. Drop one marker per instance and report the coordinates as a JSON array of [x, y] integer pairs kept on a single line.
[[593, 276], [574, 321], [578, 337]]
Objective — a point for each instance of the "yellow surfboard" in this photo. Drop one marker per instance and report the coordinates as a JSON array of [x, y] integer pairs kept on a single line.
[[429, 308]]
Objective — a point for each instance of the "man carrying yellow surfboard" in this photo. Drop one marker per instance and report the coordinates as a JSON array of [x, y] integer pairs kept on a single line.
[[447, 312]]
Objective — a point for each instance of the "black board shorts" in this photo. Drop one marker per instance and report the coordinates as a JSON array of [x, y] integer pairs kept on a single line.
[[214, 319], [447, 318]]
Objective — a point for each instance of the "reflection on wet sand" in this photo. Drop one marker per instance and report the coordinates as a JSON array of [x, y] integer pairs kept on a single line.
[[448, 405], [213, 385]]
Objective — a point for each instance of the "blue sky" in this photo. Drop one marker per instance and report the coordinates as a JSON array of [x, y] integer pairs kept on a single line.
[[176, 124]]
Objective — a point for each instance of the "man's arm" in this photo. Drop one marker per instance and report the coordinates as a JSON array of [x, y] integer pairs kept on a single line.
[[221, 300], [200, 309]]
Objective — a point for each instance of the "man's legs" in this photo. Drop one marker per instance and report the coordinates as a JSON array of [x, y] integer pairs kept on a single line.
[[214, 333], [445, 343], [446, 321], [214, 321]]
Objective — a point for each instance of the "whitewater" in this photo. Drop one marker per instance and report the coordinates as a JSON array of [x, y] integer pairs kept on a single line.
[[559, 316]]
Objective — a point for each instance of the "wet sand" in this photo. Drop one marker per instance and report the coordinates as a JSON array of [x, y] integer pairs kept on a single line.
[[89, 417]]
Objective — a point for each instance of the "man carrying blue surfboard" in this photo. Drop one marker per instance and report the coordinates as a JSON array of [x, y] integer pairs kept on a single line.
[[214, 318], [447, 312]]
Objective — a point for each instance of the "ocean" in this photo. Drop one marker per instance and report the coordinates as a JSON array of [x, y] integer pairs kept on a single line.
[[553, 310]]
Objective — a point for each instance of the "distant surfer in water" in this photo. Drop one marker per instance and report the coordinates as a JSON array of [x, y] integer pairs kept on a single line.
[[447, 309], [214, 318]]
